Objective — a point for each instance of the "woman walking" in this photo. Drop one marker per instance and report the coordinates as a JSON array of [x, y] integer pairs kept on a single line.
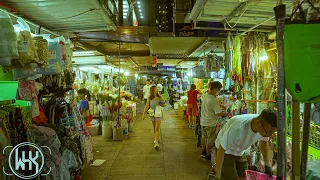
[[192, 109], [154, 99]]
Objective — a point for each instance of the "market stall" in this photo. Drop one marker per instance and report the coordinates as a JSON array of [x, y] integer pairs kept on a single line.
[[38, 104]]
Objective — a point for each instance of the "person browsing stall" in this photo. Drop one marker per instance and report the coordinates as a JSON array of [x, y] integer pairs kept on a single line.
[[83, 105], [153, 100], [192, 108], [210, 113], [146, 91], [237, 135]]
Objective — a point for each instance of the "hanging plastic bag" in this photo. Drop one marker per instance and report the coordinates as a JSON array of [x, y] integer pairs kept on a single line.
[[26, 47], [8, 40], [68, 55], [42, 48], [55, 58], [158, 112]]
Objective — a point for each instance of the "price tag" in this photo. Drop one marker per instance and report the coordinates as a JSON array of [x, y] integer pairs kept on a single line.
[[52, 55], [23, 47]]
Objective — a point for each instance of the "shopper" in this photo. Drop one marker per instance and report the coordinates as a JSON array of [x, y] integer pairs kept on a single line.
[[154, 100], [83, 105], [192, 107], [237, 135], [146, 91], [210, 113]]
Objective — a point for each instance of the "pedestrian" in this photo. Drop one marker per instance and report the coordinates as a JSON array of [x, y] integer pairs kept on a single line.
[[211, 111], [146, 91], [154, 100], [237, 135], [192, 108]]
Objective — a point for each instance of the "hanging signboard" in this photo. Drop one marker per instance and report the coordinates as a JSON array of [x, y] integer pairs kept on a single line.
[[166, 68], [184, 30]]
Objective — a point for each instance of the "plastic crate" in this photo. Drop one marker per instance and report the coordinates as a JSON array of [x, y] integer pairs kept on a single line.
[[254, 175]]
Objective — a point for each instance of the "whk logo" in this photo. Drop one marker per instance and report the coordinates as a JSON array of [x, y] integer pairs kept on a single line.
[[26, 156]]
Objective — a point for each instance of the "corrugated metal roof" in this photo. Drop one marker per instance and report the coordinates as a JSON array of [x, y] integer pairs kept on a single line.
[[253, 11], [54, 14]]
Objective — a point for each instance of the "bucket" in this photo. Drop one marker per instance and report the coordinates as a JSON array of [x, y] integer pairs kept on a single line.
[[93, 129], [117, 133], [107, 129]]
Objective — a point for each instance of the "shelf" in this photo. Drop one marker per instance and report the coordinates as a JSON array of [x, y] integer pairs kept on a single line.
[[311, 150]]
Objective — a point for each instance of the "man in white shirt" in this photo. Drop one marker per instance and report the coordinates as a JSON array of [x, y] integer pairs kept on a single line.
[[237, 135], [210, 113], [159, 86], [146, 91]]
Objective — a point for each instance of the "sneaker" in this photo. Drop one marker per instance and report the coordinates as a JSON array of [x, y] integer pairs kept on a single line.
[[156, 141], [203, 154], [208, 158], [156, 146]]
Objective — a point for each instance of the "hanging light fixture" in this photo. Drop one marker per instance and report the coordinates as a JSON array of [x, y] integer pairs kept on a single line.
[[263, 55]]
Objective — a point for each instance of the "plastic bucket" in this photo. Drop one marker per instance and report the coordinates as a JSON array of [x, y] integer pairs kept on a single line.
[[107, 129]]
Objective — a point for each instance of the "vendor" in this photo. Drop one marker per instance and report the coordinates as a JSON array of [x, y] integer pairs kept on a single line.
[[83, 105], [237, 135]]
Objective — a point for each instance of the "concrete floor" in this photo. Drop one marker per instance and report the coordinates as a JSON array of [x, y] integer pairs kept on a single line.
[[135, 157]]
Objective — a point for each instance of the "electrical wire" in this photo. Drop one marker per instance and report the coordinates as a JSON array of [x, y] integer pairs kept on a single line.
[[92, 9]]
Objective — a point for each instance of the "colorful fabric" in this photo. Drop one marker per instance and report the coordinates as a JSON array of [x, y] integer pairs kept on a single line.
[[192, 96], [192, 110]]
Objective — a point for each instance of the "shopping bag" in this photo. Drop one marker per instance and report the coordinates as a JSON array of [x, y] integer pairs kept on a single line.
[[158, 111], [151, 112]]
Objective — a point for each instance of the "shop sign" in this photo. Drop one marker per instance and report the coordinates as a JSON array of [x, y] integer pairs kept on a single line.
[[166, 68], [184, 30]]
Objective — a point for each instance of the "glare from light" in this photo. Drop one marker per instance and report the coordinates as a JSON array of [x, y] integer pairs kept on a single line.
[[138, 2], [189, 74], [140, 10], [126, 73], [144, 76], [104, 67], [263, 55], [125, 17], [121, 71], [139, 6], [125, 14], [136, 75], [125, 6], [141, 14], [83, 53], [125, 10], [141, 17]]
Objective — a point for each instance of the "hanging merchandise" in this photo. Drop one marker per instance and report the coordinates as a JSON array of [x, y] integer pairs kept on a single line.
[[8, 40], [42, 49], [28, 56], [213, 62], [250, 60], [56, 56], [301, 52], [236, 61]]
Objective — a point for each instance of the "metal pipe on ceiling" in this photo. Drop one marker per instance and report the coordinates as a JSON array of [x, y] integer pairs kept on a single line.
[[234, 29], [31, 23], [132, 61], [197, 8], [102, 11], [255, 26]]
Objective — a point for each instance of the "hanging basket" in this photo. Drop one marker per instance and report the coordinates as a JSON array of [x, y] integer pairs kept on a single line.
[[301, 59]]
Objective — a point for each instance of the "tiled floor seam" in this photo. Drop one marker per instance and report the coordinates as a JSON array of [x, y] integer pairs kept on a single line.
[[115, 159]]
